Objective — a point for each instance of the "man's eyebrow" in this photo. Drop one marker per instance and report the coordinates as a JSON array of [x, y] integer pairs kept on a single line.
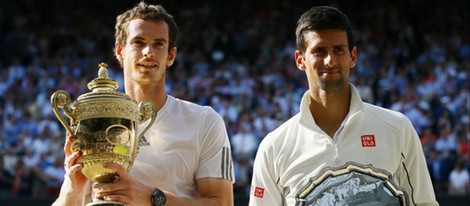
[[341, 45], [159, 40], [153, 40], [334, 46], [137, 38]]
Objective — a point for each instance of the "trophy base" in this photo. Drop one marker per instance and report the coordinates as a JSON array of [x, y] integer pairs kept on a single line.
[[105, 203]]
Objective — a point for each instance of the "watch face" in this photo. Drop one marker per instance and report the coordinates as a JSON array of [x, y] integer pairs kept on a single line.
[[158, 198]]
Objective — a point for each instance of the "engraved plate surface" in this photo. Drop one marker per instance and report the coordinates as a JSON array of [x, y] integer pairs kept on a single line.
[[353, 185]]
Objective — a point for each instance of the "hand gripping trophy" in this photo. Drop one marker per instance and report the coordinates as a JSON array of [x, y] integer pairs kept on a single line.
[[104, 126]]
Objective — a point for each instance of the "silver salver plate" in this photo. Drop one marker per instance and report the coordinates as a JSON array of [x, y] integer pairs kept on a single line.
[[353, 184]]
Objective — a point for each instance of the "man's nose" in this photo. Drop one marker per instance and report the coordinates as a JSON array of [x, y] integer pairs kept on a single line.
[[148, 51], [329, 59]]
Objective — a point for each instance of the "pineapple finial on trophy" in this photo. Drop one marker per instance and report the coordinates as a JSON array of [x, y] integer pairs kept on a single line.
[[103, 71], [103, 82]]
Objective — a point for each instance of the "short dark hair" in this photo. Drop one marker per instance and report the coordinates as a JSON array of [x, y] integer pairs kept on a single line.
[[320, 18], [146, 12]]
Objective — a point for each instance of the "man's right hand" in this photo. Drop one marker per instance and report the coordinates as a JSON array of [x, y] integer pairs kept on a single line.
[[73, 172], [75, 185]]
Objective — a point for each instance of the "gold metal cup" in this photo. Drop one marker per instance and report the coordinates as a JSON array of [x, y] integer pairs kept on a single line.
[[104, 127]]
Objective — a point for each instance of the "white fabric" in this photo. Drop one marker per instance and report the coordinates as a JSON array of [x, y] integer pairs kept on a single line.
[[187, 142], [298, 150]]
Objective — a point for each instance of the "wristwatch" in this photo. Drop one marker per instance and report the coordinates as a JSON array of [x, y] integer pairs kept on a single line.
[[158, 198]]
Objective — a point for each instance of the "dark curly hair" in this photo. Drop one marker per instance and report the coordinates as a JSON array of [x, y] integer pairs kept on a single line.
[[146, 12]]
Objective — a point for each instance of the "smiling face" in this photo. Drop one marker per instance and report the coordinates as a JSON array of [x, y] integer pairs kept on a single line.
[[326, 59], [146, 55]]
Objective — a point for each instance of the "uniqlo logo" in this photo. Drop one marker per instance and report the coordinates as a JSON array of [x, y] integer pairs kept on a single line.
[[257, 191], [368, 140]]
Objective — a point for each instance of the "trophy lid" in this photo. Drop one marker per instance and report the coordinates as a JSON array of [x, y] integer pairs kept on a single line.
[[104, 100], [103, 86]]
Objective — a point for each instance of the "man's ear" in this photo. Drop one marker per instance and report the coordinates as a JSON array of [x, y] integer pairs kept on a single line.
[[118, 52], [299, 60], [171, 57], [353, 59]]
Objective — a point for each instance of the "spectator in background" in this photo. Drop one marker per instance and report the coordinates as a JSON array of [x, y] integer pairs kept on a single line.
[[54, 176], [244, 142], [447, 165], [11, 129], [434, 166], [459, 180], [41, 144], [29, 158], [243, 170], [6, 181], [428, 140], [262, 122], [49, 126], [23, 180], [446, 142], [10, 159]]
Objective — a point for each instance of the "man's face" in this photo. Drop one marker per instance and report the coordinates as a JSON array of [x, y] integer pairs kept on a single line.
[[326, 60], [145, 56]]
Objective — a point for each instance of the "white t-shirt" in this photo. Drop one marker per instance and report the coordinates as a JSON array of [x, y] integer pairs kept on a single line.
[[297, 153], [187, 142]]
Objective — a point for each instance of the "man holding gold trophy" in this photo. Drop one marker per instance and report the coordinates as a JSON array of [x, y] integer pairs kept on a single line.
[[184, 158]]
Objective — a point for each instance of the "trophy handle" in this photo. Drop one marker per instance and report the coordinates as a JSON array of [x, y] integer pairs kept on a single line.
[[147, 110], [61, 99]]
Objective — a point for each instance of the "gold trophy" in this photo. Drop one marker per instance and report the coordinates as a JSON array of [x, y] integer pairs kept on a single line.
[[104, 126]]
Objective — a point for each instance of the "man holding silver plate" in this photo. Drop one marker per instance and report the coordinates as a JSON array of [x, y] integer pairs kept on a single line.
[[338, 150]]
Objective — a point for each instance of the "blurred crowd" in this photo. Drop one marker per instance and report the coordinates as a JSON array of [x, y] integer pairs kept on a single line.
[[238, 58]]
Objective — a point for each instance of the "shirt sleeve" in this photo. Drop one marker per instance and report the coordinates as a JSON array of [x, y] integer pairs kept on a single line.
[[413, 174], [264, 187], [215, 153]]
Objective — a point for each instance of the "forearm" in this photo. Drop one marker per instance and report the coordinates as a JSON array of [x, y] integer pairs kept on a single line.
[[172, 200], [68, 197], [212, 192]]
